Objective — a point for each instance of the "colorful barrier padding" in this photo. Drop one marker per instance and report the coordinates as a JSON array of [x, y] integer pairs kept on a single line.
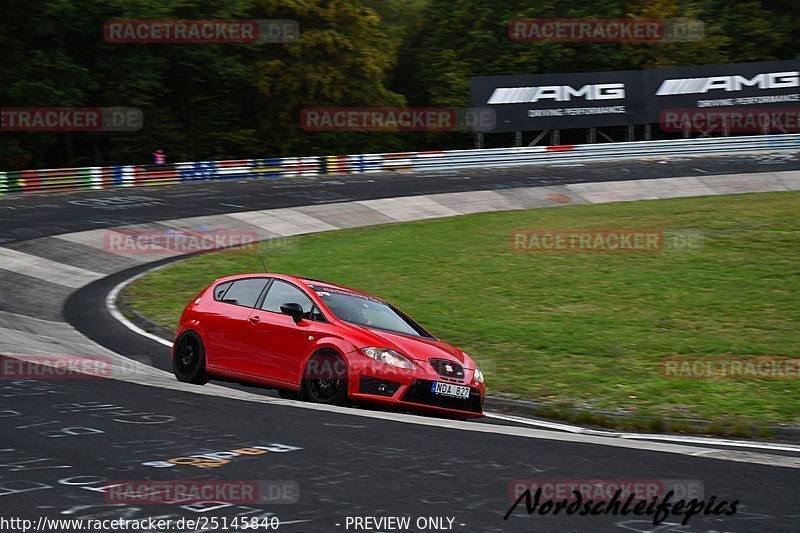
[[61, 179], [65, 179]]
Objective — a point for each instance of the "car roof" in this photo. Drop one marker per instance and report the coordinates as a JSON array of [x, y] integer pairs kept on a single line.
[[296, 280]]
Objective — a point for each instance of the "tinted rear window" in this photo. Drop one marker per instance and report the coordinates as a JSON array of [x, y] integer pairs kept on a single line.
[[245, 292], [219, 290]]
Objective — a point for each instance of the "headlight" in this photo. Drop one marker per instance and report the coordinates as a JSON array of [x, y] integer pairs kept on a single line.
[[388, 357], [478, 375]]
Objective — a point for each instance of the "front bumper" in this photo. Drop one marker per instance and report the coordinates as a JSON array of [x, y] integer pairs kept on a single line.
[[419, 393], [411, 390]]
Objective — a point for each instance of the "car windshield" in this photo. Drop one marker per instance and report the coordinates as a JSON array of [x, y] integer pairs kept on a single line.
[[364, 310]]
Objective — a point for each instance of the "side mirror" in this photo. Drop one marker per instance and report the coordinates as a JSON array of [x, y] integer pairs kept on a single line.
[[293, 310]]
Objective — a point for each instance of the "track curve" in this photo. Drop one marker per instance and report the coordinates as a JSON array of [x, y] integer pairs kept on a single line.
[[347, 464]]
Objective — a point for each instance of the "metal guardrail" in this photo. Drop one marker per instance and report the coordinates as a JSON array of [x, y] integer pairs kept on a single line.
[[145, 175], [599, 152]]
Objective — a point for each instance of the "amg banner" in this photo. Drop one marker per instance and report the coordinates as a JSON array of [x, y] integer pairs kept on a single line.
[[742, 98], [544, 101], [665, 96]]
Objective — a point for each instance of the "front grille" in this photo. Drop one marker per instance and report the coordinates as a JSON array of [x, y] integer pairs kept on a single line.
[[448, 369], [368, 385], [420, 392]]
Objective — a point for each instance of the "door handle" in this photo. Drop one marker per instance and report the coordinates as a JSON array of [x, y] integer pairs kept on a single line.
[[254, 319]]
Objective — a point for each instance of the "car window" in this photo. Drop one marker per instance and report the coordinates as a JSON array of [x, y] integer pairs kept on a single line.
[[367, 311], [317, 315], [219, 290], [281, 293], [245, 292]]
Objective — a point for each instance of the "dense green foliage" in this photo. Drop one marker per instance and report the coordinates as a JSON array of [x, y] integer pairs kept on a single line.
[[210, 101]]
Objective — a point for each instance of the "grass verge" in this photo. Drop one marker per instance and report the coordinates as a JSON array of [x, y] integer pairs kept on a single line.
[[583, 330]]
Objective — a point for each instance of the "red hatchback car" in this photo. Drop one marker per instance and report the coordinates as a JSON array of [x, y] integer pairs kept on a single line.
[[324, 343]]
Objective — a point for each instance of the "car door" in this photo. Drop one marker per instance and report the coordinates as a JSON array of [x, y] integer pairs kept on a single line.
[[226, 322], [275, 345]]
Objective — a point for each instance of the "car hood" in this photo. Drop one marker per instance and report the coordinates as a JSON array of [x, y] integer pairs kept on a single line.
[[417, 348]]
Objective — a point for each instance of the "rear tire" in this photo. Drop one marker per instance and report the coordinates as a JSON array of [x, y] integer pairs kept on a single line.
[[189, 359], [325, 379]]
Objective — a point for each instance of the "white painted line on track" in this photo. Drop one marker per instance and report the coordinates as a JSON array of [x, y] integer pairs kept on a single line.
[[111, 305], [538, 423], [686, 439], [713, 441]]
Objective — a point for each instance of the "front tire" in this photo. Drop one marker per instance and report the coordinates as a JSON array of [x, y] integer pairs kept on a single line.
[[325, 379], [189, 359]]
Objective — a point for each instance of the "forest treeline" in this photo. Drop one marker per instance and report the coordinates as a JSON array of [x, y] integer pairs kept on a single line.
[[229, 101]]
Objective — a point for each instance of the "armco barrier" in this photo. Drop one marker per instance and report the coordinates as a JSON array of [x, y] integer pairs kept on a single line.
[[499, 157], [64, 179]]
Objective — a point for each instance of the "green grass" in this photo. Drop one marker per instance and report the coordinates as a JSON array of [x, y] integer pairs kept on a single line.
[[584, 331]]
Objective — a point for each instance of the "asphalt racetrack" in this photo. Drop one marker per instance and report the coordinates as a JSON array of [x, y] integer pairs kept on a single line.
[[27, 217], [67, 442]]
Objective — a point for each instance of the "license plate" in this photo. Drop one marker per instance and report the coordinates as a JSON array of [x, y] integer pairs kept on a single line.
[[448, 389]]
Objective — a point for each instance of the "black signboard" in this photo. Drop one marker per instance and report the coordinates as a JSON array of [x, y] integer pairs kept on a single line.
[[597, 99], [544, 101], [771, 84]]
